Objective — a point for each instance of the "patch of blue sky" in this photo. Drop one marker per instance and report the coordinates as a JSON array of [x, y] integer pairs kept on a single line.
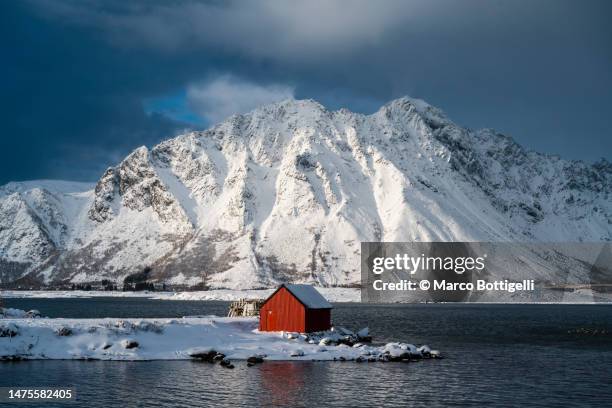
[[174, 106]]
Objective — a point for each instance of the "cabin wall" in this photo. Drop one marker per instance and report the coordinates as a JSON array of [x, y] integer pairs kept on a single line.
[[282, 312], [318, 320]]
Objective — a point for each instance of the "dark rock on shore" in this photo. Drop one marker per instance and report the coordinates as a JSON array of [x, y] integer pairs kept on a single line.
[[226, 364], [9, 330], [255, 360], [207, 356], [64, 331], [130, 344]]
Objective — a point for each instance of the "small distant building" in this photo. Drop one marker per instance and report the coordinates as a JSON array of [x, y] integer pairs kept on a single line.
[[295, 308]]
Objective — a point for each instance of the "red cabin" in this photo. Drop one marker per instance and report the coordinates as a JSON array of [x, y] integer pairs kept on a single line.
[[295, 308]]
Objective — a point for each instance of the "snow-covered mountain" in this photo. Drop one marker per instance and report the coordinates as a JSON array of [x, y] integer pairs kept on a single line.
[[288, 192]]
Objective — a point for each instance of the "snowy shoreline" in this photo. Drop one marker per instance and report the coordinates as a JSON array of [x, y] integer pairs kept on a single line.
[[185, 339], [334, 295], [331, 294]]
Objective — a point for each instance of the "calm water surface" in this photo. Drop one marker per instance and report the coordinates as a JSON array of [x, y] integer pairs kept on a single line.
[[496, 355]]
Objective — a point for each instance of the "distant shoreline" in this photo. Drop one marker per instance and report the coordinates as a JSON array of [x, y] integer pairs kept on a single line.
[[334, 295]]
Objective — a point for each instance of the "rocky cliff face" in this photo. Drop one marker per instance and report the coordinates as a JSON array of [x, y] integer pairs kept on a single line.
[[287, 193]]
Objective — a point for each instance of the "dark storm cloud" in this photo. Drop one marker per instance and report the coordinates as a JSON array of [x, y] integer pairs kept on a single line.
[[69, 107], [83, 73]]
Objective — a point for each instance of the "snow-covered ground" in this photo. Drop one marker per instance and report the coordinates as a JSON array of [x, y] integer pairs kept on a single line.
[[61, 294], [179, 339], [331, 294]]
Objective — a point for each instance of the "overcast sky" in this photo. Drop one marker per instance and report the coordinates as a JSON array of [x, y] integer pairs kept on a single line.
[[85, 82]]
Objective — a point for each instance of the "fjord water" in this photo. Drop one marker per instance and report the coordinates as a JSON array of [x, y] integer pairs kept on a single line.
[[505, 355]]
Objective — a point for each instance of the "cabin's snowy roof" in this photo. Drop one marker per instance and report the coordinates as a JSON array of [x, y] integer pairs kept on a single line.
[[309, 296]]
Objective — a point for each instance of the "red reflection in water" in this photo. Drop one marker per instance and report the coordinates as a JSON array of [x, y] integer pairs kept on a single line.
[[283, 382]]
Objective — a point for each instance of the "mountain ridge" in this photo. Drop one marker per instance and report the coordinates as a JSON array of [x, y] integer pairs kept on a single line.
[[287, 192]]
